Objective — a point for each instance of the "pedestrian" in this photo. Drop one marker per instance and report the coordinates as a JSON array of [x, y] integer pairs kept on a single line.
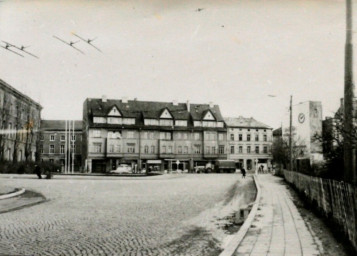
[[243, 172], [38, 171]]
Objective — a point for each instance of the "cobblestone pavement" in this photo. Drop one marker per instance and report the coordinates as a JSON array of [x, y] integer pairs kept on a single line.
[[105, 216], [278, 228]]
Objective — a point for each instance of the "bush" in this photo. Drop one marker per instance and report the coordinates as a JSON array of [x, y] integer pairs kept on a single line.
[[27, 167]]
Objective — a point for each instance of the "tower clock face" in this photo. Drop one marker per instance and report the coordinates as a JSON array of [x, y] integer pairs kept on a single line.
[[301, 118]]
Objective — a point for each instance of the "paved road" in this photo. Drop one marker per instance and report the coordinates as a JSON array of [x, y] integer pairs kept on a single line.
[[162, 215], [278, 228]]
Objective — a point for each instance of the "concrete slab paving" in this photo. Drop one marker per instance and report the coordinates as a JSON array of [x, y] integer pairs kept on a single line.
[[278, 228]]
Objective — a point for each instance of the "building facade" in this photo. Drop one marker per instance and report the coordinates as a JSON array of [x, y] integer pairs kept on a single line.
[[60, 143], [19, 123], [248, 142], [151, 135], [306, 125]]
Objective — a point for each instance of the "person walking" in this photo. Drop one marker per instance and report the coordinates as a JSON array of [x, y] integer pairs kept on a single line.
[[243, 172], [38, 171]]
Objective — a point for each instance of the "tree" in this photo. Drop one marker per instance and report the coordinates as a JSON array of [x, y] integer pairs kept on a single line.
[[4, 114]]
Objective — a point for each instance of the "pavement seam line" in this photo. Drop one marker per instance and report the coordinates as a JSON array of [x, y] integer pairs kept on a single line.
[[238, 237], [13, 194]]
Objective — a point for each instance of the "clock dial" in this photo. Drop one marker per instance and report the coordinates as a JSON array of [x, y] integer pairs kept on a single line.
[[301, 118]]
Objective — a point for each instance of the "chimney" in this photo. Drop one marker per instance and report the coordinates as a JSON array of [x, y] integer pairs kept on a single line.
[[124, 100], [211, 104], [188, 105], [104, 98], [175, 103]]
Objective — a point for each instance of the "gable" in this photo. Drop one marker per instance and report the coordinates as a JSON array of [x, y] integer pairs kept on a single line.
[[209, 116], [166, 114], [114, 112]]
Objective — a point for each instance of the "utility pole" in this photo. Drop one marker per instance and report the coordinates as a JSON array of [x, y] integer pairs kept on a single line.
[[349, 140], [291, 134]]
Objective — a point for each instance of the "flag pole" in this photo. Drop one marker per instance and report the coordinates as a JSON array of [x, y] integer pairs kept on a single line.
[[65, 148], [73, 147]]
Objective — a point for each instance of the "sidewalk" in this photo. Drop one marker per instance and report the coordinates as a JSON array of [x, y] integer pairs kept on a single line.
[[278, 228]]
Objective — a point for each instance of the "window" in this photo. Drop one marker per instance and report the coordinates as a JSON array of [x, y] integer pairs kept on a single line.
[[73, 137], [197, 135], [115, 120], [130, 135], [209, 124], [184, 136], [256, 137], [220, 136], [165, 122], [111, 148], [52, 149], [181, 123], [248, 149], [240, 149], [52, 137], [130, 147], [41, 149], [221, 149], [265, 137], [117, 149], [185, 150], [129, 121], [163, 149], [220, 124], [179, 150], [178, 135], [96, 133], [208, 150], [197, 123], [165, 136], [197, 149], [257, 149], [232, 149], [152, 149], [151, 122], [97, 147], [146, 149], [240, 137], [248, 137], [62, 149], [265, 149], [63, 137], [232, 136], [99, 120], [169, 151], [213, 150], [51, 160]]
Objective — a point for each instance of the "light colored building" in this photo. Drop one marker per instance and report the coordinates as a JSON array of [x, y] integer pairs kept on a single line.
[[306, 123], [19, 123], [151, 135], [56, 141], [248, 142]]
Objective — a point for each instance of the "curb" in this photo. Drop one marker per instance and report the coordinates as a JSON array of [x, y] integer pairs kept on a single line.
[[13, 194], [238, 237]]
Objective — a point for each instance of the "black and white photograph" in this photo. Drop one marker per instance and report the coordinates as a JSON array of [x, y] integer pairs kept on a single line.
[[178, 127]]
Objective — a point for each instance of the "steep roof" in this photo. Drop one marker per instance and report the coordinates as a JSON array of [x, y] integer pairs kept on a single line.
[[59, 125], [151, 109], [244, 122]]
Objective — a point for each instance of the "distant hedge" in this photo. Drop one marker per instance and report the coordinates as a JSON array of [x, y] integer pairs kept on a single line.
[[27, 167]]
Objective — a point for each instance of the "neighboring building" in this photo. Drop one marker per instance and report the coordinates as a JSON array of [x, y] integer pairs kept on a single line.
[[277, 134], [19, 122], [156, 135], [55, 141], [306, 124], [248, 142]]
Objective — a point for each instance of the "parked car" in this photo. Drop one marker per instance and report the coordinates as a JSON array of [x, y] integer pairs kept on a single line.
[[200, 169], [123, 168]]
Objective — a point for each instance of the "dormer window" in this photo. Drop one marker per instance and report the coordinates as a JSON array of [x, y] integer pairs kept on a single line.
[[181, 123], [114, 112], [166, 118]]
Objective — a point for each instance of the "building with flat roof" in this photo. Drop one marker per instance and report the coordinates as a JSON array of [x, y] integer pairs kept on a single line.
[[248, 142], [19, 124], [151, 135], [60, 143]]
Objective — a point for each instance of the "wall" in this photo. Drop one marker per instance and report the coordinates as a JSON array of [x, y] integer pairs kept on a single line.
[[336, 200]]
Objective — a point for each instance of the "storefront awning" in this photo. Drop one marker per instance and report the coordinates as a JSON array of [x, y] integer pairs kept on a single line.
[[153, 161]]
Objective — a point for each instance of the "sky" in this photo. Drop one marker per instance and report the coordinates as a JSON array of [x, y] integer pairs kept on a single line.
[[232, 53]]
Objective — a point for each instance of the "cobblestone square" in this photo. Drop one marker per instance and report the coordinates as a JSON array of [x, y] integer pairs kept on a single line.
[[162, 215]]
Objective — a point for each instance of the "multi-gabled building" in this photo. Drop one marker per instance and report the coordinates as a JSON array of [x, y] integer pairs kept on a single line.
[[59, 143], [19, 123], [248, 142], [156, 135]]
